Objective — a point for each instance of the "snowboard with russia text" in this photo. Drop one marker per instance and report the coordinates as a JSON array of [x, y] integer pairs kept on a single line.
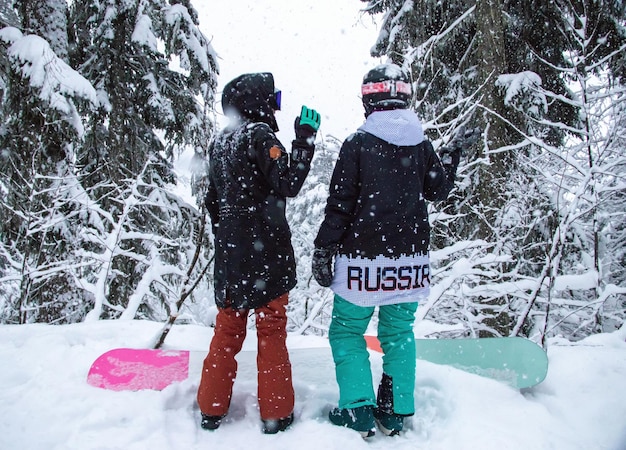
[[515, 361]]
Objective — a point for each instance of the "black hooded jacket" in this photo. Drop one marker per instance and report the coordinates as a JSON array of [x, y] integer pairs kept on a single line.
[[376, 216], [250, 177], [377, 203]]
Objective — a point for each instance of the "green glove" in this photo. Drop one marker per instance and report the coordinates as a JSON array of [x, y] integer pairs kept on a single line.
[[310, 117]]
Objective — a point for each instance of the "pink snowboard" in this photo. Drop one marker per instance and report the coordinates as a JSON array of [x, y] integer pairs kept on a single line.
[[135, 369], [128, 369]]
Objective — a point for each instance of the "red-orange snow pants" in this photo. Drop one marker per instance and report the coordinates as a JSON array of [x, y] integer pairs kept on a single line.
[[275, 387]]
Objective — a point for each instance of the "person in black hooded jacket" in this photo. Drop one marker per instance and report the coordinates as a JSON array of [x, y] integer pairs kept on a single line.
[[250, 177], [376, 230]]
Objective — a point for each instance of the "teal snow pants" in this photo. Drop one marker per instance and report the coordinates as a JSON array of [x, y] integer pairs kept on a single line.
[[352, 366]]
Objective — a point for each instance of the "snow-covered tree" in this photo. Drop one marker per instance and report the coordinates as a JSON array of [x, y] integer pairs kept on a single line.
[[155, 74], [154, 233], [48, 19], [587, 180], [89, 224], [37, 217], [8, 15], [310, 305], [506, 67]]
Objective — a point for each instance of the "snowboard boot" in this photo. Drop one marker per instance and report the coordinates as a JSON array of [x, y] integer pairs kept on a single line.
[[210, 422], [272, 426], [388, 422], [360, 419]]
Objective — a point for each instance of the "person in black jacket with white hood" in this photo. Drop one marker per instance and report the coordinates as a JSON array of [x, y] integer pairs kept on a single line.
[[250, 177], [376, 228]]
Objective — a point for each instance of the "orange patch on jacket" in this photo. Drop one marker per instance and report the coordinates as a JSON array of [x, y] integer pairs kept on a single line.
[[275, 152]]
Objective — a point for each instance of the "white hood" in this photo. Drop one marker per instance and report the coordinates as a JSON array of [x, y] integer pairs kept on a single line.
[[399, 127]]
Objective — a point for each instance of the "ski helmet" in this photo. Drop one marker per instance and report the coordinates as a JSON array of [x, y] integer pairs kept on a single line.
[[252, 95], [386, 86]]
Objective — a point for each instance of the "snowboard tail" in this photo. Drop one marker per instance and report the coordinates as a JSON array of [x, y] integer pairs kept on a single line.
[[515, 361], [127, 369]]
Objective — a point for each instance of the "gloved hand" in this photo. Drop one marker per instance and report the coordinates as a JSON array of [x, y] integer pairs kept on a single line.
[[307, 124], [450, 156], [322, 266], [464, 138], [461, 142]]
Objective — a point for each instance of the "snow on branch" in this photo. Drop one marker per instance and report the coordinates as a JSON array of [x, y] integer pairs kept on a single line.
[[178, 18], [143, 33], [522, 92], [56, 82], [32, 56]]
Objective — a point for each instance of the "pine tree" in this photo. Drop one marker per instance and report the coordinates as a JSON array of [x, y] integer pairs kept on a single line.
[[47, 18], [590, 171], [88, 222], [8, 15], [150, 110], [501, 65], [310, 305], [117, 46], [37, 216]]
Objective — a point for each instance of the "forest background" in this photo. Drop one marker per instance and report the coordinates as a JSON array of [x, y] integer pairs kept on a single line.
[[100, 98]]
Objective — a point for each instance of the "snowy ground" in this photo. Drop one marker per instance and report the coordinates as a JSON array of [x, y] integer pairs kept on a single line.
[[46, 403]]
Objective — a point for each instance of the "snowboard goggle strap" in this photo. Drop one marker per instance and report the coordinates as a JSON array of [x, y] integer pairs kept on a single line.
[[393, 87]]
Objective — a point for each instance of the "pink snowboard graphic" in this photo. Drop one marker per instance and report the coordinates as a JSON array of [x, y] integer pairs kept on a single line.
[[127, 369]]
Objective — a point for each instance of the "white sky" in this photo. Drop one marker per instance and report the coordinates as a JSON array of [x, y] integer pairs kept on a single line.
[[317, 50]]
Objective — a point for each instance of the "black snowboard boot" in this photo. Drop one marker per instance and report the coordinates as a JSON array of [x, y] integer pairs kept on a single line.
[[210, 422], [388, 422], [360, 419], [274, 426]]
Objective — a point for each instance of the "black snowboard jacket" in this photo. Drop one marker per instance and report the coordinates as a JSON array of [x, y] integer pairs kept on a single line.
[[250, 177], [377, 199]]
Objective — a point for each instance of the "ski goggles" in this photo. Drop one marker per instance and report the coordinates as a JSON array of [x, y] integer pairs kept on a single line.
[[275, 99], [393, 87]]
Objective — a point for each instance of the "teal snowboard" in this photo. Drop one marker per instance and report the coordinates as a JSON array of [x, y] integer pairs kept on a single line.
[[515, 361]]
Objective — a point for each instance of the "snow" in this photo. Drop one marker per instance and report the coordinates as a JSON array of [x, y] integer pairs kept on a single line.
[[143, 33], [47, 404], [587, 280], [318, 52], [522, 84], [32, 56], [45, 70]]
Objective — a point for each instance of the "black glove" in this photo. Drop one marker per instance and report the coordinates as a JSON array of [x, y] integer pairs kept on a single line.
[[450, 156], [461, 142], [307, 124], [322, 266], [464, 138]]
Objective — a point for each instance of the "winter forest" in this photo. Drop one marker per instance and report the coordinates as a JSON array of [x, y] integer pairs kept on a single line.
[[99, 98]]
